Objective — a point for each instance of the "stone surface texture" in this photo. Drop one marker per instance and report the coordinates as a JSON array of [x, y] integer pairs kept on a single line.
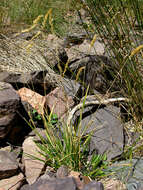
[[33, 167]]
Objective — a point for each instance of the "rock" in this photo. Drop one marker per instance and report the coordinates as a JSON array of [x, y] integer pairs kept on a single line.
[[20, 55], [25, 187], [84, 49], [107, 130], [97, 71], [13, 128], [71, 87], [9, 105], [74, 39], [34, 99], [8, 164], [78, 178], [33, 80], [59, 102], [112, 184], [63, 171], [94, 185], [67, 183], [12, 183], [37, 131], [128, 172], [33, 167]]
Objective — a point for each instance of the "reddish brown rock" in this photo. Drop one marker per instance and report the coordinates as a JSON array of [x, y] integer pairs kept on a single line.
[[58, 102], [34, 99]]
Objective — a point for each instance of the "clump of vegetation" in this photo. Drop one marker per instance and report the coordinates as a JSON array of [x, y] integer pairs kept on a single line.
[[24, 12], [118, 23], [67, 145]]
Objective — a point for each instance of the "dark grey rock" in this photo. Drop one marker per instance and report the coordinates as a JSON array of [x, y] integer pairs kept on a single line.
[[53, 184], [129, 172], [28, 79], [11, 113], [94, 185], [107, 136], [9, 104], [8, 164], [99, 72], [71, 87], [74, 39]]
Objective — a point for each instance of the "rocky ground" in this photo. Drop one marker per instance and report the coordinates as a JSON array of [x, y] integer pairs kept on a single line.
[[34, 76]]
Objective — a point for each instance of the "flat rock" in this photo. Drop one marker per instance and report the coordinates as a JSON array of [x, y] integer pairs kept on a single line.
[[58, 102], [107, 130], [12, 183], [8, 164], [20, 55], [67, 183], [33, 167]]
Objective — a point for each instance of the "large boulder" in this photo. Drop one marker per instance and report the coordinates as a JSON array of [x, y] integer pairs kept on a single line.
[[11, 110], [106, 127], [33, 80], [96, 71], [20, 55]]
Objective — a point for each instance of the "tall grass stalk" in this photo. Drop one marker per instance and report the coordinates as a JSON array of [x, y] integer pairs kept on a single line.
[[25, 11], [116, 23]]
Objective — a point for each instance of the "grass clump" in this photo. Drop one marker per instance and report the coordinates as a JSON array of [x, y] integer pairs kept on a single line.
[[67, 145], [24, 12], [119, 24]]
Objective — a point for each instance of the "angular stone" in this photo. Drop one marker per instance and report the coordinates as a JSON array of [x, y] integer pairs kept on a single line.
[[34, 99], [97, 71], [67, 183], [63, 171], [33, 167], [59, 102], [107, 130], [94, 185], [85, 48], [8, 164], [12, 183], [19, 56], [70, 87], [9, 105], [33, 80]]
